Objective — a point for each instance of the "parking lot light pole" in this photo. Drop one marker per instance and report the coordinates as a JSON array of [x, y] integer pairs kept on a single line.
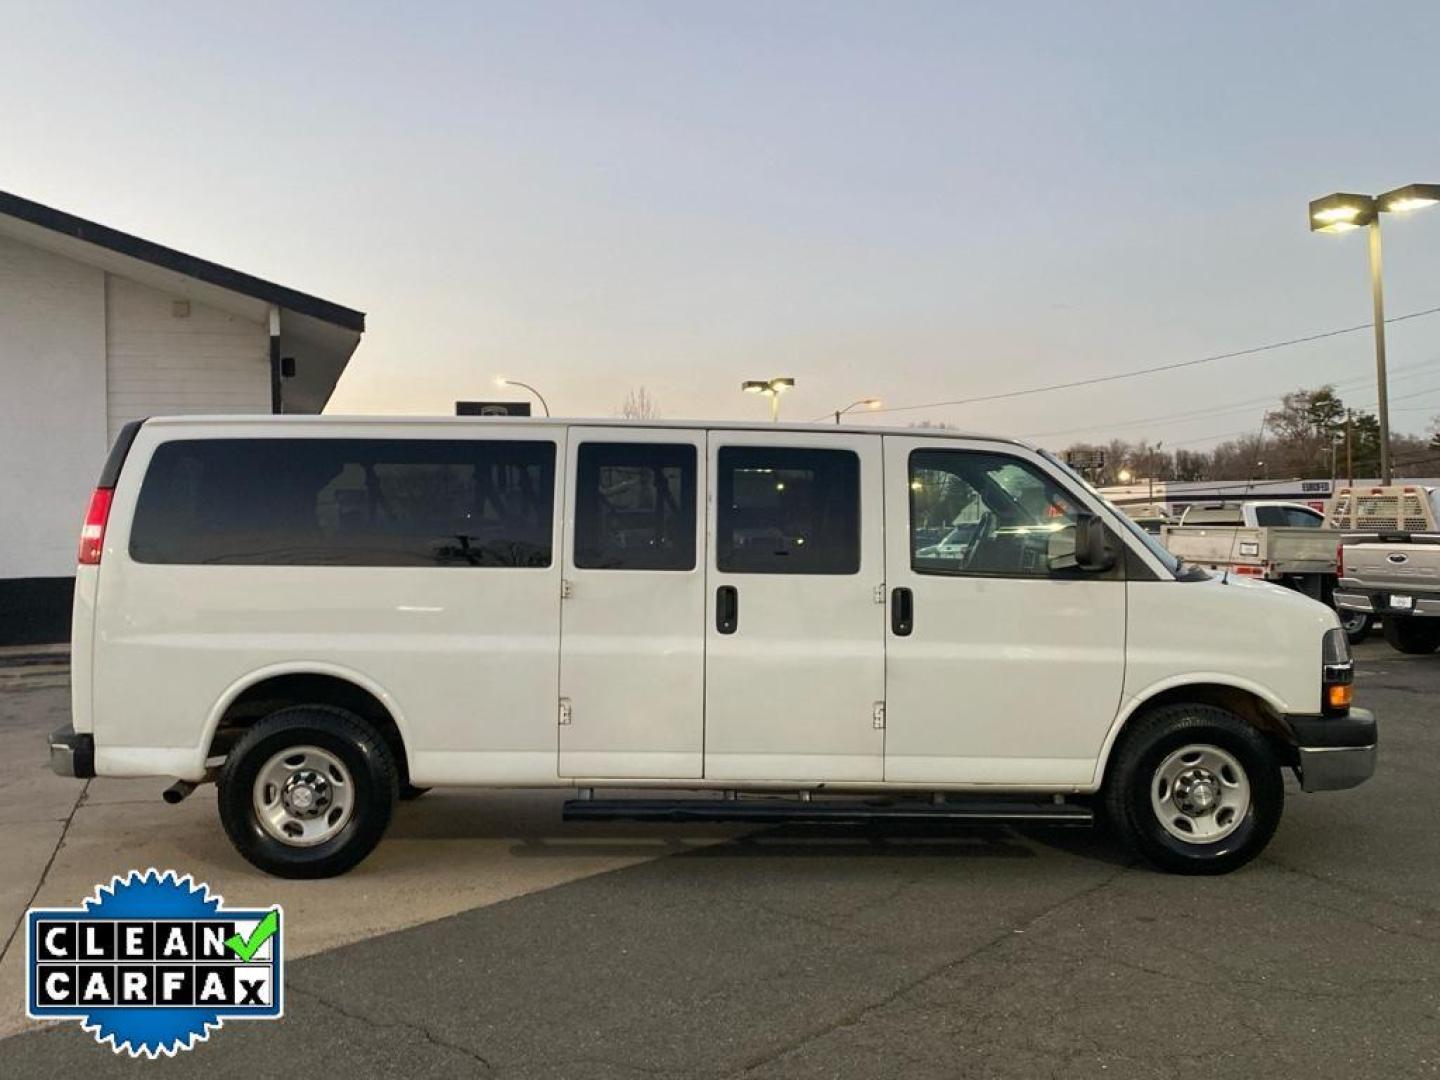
[[869, 403], [502, 381], [771, 388], [1344, 212]]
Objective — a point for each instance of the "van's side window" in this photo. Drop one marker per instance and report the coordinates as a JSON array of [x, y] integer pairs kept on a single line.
[[347, 502], [985, 514], [787, 511], [635, 506]]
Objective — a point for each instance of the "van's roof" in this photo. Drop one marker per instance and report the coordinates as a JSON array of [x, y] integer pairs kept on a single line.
[[564, 421]]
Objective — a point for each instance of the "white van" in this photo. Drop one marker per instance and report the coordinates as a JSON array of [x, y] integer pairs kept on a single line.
[[324, 614]]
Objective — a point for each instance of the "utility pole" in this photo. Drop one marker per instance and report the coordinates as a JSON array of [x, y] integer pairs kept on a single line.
[[1349, 447], [1377, 297]]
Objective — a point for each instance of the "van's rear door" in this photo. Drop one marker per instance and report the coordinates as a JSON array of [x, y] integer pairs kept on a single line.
[[632, 653], [795, 633]]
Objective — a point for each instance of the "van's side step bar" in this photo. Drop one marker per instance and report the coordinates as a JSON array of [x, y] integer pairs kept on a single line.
[[838, 812]]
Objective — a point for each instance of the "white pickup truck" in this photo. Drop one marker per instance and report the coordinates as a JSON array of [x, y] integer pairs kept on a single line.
[[1287, 543], [1390, 564]]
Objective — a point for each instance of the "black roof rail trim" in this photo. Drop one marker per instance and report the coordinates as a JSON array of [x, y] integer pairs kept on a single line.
[[115, 460]]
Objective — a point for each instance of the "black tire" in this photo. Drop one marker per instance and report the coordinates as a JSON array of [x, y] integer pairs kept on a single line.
[[1149, 740], [1416, 637], [363, 753], [409, 792], [1357, 625]]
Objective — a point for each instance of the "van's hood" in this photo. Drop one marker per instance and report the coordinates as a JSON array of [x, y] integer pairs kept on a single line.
[[1252, 593]]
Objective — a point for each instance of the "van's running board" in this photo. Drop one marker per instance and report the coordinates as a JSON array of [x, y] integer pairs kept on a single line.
[[796, 812]]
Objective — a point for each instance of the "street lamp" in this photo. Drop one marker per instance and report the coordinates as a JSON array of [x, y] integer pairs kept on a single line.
[[771, 388], [867, 402], [1343, 212], [502, 381]]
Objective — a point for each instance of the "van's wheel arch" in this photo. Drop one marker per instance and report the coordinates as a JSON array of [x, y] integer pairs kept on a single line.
[[308, 791], [1194, 789]]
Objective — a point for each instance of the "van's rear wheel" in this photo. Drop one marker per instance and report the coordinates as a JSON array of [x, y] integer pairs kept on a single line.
[[307, 792], [1194, 789], [1408, 634]]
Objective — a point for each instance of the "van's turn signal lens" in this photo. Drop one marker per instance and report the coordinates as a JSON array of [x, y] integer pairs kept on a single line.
[[92, 535], [1339, 696]]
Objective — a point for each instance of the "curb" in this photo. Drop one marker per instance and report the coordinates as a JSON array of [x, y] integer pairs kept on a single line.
[[34, 667], [30, 656]]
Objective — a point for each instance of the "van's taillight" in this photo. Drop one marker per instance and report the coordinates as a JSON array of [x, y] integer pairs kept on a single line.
[[92, 534]]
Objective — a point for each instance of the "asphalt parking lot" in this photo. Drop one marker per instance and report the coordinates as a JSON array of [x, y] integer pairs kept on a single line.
[[488, 938]]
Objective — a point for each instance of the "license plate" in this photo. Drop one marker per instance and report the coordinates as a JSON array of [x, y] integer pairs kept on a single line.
[[1402, 603]]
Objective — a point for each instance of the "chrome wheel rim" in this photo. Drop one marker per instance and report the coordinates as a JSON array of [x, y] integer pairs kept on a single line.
[[303, 796], [1200, 793], [1353, 621]]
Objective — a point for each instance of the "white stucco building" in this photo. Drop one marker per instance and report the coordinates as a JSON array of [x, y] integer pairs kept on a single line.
[[98, 327]]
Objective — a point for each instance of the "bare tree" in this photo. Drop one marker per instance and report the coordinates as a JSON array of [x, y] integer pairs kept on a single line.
[[640, 404]]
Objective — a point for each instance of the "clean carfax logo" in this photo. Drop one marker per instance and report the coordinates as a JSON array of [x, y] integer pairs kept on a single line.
[[152, 962]]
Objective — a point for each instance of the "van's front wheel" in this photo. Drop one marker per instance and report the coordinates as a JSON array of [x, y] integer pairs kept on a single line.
[[307, 792], [1194, 789]]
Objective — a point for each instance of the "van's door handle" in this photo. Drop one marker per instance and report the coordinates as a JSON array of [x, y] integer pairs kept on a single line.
[[727, 609], [902, 612]]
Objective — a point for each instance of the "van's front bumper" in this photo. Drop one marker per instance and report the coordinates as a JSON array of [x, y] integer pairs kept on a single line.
[[71, 753], [1335, 752]]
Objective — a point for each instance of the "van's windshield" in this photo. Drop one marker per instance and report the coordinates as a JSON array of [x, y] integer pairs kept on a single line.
[[1152, 544]]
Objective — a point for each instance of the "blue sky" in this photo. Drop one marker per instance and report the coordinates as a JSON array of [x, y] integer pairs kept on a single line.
[[913, 201]]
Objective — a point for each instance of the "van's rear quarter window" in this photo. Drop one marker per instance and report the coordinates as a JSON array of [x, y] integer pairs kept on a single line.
[[347, 502]]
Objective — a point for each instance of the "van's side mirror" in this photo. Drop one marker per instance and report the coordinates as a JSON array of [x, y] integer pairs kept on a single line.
[[1081, 546]]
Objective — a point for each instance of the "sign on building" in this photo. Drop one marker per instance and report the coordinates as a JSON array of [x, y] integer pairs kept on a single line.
[[1085, 460], [492, 408]]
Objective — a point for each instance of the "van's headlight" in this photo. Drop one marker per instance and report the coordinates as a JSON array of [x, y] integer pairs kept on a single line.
[[1337, 673]]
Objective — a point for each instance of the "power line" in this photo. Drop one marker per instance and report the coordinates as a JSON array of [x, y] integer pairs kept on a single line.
[[1409, 371], [1157, 369], [1207, 438]]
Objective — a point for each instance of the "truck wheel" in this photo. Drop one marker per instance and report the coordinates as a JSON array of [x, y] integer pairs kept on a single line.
[[307, 792], [1357, 625], [1194, 789], [1412, 635]]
